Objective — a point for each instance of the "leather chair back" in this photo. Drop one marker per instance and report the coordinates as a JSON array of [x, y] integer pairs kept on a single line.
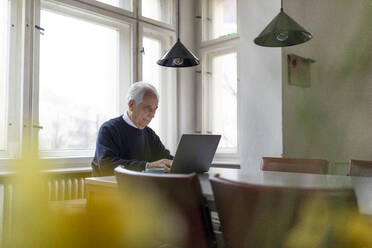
[[361, 168], [300, 165], [261, 216], [183, 192]]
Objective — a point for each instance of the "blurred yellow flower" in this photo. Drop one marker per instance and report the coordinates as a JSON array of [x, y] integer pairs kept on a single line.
[[324, 224], [110, 222]]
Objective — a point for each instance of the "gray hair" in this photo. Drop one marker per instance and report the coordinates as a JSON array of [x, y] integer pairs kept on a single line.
[[137, 90]]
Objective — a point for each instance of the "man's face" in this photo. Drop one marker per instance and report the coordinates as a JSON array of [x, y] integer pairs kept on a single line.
[[142, 114]]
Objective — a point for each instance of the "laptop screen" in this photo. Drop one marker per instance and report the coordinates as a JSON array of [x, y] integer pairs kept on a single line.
[[195, 153]]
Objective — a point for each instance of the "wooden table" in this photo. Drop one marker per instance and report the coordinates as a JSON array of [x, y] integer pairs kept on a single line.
[[361, 185]]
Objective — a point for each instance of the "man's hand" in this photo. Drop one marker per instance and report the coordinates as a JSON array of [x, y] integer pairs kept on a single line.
[[162, 163]]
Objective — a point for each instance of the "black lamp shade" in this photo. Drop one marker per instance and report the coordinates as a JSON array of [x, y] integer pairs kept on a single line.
[[282, 31], [178, 56]]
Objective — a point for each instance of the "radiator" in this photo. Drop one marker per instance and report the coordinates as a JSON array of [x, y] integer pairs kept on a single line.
[[66, 188], [6, 202], [60, 186]]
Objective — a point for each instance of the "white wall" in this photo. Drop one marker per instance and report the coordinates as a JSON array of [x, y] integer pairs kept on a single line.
[[333, 118], [260, 113]]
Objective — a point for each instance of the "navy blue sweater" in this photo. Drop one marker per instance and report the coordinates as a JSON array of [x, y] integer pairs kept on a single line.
[[118, 143]]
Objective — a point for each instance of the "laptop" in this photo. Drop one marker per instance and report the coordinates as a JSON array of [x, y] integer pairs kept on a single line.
[[194, 153]]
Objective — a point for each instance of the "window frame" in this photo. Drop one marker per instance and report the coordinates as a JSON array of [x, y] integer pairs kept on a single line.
[[13, 84], [19, 80], [205, 47], [204, 100]]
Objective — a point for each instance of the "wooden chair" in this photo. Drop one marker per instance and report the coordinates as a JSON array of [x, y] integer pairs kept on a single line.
[[300, 165], [261, 216], [361, 168], [183, 192]]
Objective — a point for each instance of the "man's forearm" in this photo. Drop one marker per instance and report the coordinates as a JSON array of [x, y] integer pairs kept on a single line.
[[108, 164], [135, 165]]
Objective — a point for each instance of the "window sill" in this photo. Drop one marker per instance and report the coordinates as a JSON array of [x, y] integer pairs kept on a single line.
[[67, 163], [6, 171], [232, 164], [68, 170], [53, 163]]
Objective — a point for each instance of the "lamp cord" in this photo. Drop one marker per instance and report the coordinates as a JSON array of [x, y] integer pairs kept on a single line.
[[178, 19], [281, 5]]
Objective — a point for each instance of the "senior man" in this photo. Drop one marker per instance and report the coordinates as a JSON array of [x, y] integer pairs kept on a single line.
[[127, 140]]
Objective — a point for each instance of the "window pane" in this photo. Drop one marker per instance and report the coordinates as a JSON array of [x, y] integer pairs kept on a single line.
[[4, 65], [224, 112], [78, 80], [151, 72], [160, 10], [221, 18], [124, 4]]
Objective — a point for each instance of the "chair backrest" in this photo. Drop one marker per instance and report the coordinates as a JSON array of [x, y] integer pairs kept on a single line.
[[362, 168], [261, 216], [183, 193], [300, 165]]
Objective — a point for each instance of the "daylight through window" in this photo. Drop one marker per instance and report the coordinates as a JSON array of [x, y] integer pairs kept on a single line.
[[4, 68], [124, 4], [76, 95], [223, 99], [159, 10], [220, 18]]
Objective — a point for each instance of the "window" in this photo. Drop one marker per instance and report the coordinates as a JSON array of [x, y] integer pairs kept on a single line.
[[219, 18], [221, 98], [77, 95], [57, 89], [154, 44], [159, 10], [4, 69]]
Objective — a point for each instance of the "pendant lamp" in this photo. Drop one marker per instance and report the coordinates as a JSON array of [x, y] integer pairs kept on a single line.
[[178, 55], [282, 31]]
